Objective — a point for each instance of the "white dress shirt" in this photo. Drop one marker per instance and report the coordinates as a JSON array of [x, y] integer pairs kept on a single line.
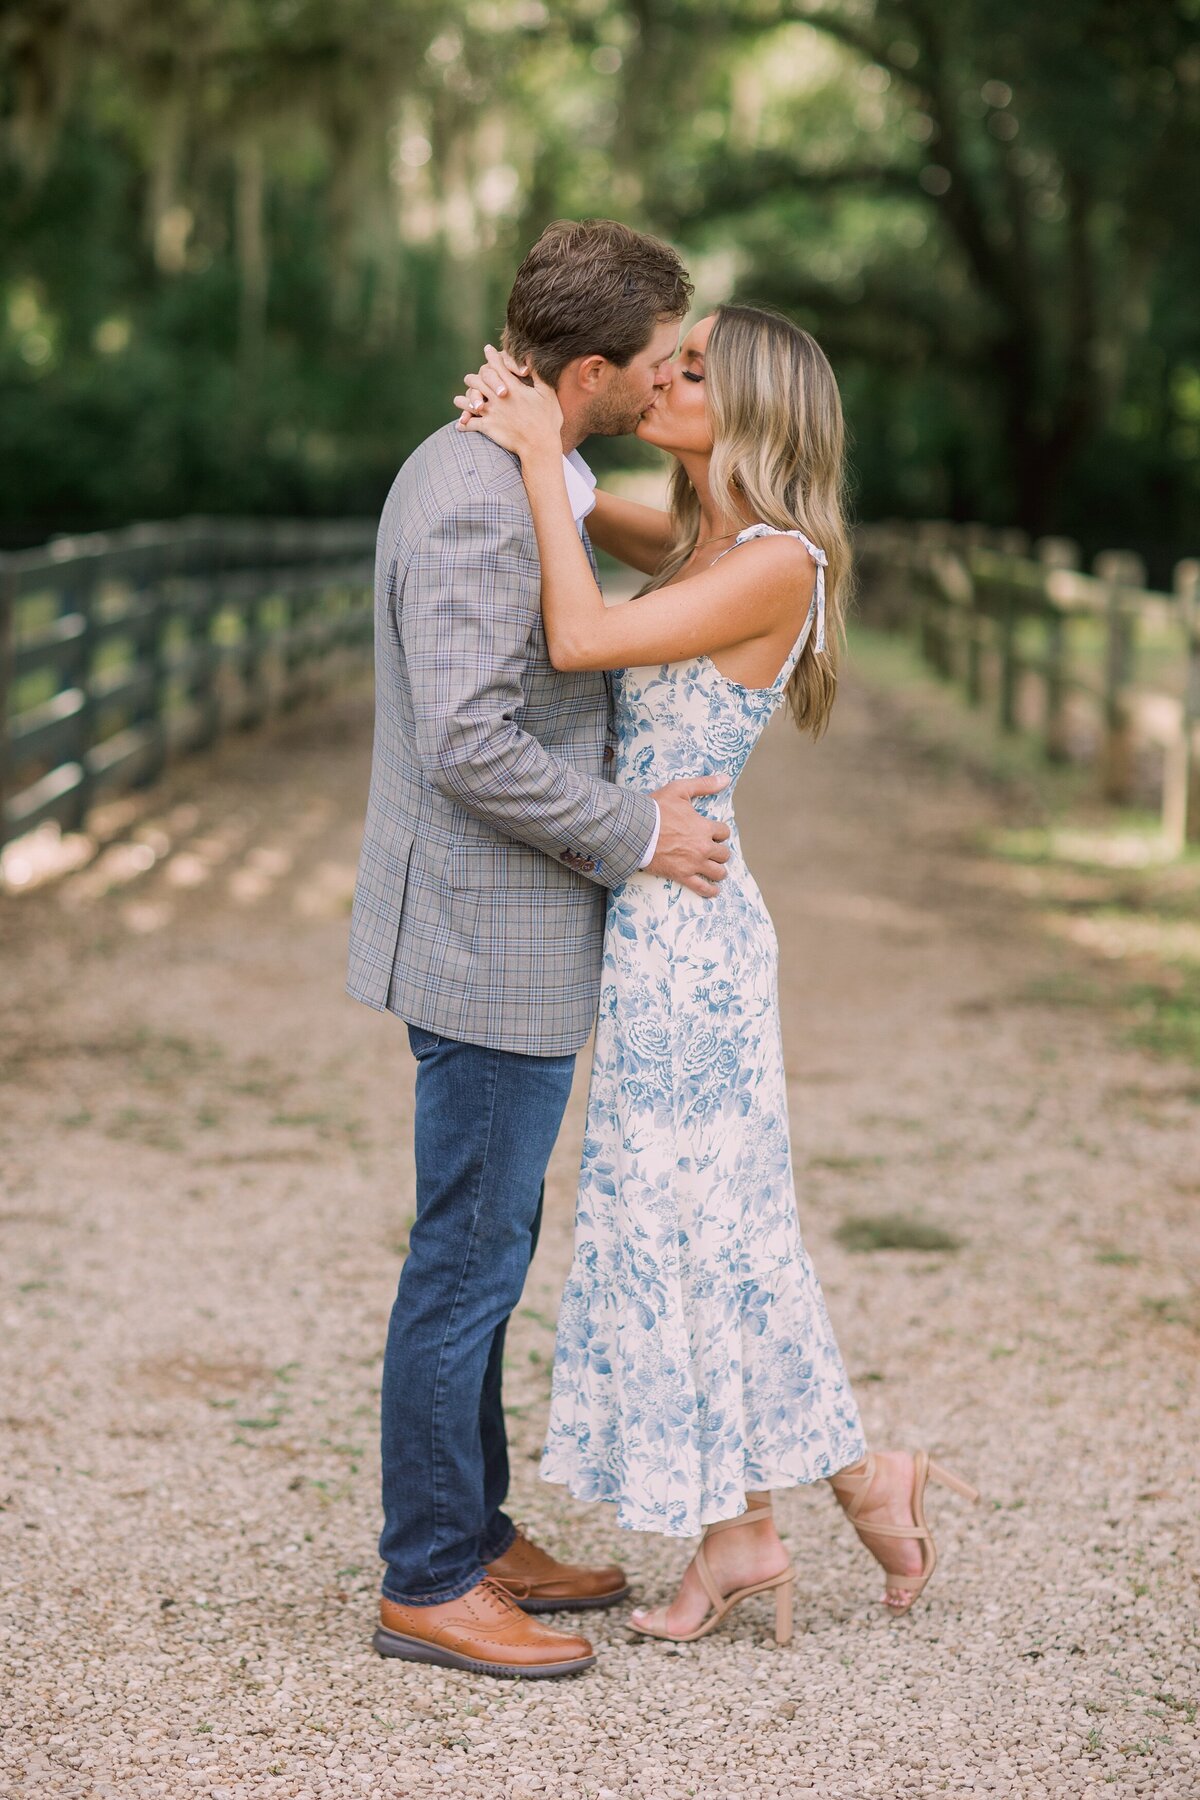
[[581, 492]]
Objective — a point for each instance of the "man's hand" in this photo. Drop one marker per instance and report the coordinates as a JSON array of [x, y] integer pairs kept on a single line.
[[691, 849]]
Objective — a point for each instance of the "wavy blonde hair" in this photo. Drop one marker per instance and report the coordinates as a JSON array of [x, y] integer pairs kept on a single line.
[[779, 453]]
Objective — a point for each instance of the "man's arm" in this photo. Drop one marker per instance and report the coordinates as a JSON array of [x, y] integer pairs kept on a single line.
[[470, 604]]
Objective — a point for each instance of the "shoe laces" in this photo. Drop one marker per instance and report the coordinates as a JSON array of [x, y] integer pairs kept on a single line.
[[502, 1591]]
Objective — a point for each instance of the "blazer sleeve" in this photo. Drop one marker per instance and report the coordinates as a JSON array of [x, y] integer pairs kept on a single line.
[[468, 609]]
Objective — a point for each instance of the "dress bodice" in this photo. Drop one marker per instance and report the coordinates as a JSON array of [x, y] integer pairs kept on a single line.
[[686, 718]]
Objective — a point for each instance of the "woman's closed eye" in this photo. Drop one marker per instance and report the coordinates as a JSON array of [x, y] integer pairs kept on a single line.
[[690, 375]]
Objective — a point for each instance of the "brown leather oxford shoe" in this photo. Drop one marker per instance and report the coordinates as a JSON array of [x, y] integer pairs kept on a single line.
[[539, 1583], [484, 1631]]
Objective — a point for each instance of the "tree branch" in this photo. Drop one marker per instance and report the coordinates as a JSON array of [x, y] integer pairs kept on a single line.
[[725, 185]]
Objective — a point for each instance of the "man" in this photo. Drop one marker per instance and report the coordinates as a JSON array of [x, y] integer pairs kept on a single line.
[[492, 834]]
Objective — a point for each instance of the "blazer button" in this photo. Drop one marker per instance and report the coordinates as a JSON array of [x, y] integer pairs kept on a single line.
[[609, 753]]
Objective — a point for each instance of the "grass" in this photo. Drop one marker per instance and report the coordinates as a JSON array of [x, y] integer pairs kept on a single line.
[[1098, 875], [863, 1232], [1173, 1309], [954, 736], [846, 1165], [1166, 1016], [1159, 1013]]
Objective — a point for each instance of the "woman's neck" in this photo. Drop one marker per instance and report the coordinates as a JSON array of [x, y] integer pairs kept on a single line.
[[715, 520]]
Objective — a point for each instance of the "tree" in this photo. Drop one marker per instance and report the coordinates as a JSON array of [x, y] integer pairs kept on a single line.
[[1054, 147]]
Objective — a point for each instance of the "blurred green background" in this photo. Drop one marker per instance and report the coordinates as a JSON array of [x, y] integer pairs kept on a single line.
[[247, 247]]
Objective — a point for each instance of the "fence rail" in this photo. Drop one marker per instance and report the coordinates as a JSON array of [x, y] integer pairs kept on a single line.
[[1095, 663], [122, 650]]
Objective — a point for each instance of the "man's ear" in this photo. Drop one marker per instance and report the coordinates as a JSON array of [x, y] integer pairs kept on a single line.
[[589, 372]]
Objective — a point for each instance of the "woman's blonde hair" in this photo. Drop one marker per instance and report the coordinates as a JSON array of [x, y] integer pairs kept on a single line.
[[778, 453]]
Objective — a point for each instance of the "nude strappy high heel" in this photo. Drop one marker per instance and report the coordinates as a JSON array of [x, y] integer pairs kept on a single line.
[[856, 1485], [781, 1585]]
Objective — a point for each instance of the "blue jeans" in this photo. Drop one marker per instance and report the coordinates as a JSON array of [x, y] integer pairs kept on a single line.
[[486, 1121]]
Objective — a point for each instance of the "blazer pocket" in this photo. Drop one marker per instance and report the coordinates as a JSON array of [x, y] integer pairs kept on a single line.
[[490, 867]]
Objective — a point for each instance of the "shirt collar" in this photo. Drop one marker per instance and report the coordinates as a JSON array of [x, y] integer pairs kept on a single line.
[[581, 486]]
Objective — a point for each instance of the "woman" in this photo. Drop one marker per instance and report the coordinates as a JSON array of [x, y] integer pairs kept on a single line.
[[696, 1369]]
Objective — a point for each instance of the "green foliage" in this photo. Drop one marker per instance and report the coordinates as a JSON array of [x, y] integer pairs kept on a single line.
[[249, 248]]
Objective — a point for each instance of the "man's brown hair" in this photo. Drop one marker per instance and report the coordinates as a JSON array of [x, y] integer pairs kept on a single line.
[[592, 287]]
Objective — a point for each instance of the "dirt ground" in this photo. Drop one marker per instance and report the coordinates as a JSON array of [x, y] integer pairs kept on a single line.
[[207, 1185]]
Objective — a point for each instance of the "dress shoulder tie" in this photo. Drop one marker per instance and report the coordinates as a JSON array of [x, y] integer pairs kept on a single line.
[[817, 607]]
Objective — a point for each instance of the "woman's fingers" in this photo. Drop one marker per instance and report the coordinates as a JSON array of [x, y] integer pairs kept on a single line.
[[495, 361], [481, 385], [520, 415], [487, 378]]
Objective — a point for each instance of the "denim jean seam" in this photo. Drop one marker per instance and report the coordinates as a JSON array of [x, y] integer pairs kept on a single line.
[[494, 1070]]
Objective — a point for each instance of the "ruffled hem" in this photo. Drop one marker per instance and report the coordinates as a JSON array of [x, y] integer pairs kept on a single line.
[[587, 1485]]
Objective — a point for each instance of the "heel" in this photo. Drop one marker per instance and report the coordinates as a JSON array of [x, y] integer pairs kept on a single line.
[[954, 1482], [783, 1611]]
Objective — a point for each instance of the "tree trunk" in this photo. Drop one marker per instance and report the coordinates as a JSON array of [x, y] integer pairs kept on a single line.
[[250, 237]]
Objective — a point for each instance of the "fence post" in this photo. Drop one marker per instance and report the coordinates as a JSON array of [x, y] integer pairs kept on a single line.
[[1181, 765], [202, 684], [7, 630], [253, 699], [1012, 541], [974, 537], [150, 647], [79, 593], [1056, 553], [932, 536], [1010, 671], [1122, 573]]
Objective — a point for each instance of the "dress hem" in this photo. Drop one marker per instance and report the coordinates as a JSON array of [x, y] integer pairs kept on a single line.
[[777, 1484]]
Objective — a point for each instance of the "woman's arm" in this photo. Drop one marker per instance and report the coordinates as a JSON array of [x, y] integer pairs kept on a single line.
[[635, 534], [751, 596]]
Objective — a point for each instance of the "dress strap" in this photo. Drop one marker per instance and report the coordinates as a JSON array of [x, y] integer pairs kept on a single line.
[[817, 609]]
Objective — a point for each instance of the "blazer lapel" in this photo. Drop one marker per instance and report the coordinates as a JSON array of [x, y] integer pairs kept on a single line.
[[591, 556], [607, 673]]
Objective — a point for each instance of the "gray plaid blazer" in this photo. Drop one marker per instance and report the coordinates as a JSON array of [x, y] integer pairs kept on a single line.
[[492, 826]]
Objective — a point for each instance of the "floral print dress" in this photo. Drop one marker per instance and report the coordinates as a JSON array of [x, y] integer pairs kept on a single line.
[[695, 1358]]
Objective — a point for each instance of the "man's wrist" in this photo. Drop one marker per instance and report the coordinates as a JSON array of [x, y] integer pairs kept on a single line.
[[652, 846]]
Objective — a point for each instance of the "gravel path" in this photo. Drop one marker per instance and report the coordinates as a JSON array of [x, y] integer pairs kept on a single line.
[[207, 1186]]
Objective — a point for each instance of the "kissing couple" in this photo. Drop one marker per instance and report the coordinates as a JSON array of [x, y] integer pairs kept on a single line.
[[550, 846]]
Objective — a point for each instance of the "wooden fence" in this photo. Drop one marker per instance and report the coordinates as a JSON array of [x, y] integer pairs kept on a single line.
[[1094, 663], [122, 650]]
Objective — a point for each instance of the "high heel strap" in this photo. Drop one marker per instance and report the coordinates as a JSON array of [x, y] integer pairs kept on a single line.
[[751, 1516], [856, 1482], [956, 1484], [715, 1596]]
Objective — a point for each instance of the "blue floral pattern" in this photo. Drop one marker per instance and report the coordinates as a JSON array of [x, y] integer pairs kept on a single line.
[[695, 1357]]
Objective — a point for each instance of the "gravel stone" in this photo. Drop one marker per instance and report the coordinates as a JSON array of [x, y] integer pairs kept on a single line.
[[207, 1189]]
